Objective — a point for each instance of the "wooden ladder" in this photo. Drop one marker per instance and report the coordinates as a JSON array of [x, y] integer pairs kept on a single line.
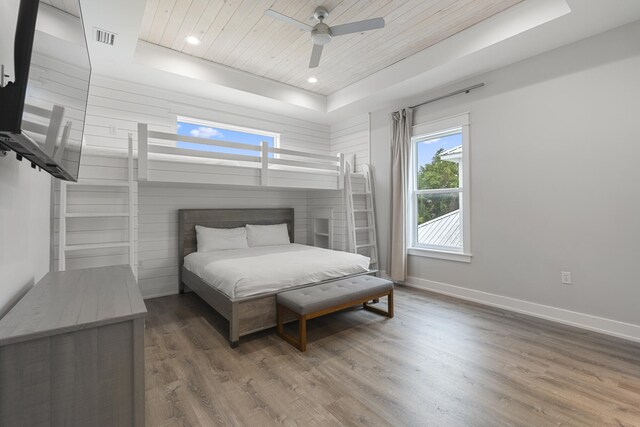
[[88, 185], [361, 218]]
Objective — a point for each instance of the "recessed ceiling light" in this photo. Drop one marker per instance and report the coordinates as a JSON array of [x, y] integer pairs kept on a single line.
[[193, 40], [312, 80]]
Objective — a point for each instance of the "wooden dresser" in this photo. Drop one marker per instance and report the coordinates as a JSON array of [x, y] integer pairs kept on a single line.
[[72, 352]]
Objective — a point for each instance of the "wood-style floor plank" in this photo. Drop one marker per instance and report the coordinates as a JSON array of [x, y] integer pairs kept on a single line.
[[440, 361]]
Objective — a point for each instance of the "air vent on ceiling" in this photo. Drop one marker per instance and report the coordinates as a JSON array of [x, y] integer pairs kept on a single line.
[[105, 37]]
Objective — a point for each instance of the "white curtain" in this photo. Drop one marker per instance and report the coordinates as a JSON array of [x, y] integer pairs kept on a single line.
[[401, 123]]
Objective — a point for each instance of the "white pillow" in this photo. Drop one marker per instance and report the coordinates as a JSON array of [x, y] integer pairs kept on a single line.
[[267, 235], [220, 239]]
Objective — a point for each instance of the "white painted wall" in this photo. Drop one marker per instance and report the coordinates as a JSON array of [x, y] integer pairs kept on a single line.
[[24, 228], [554, 180]]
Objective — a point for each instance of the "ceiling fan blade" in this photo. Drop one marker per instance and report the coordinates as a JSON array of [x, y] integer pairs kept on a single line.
[[284, 18], [316, 53], [357, 27]]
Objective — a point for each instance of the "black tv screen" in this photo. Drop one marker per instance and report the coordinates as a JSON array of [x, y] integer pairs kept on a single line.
[[57, 85]]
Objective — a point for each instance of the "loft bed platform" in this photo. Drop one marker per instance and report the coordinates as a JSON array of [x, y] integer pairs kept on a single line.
[[161, 159]]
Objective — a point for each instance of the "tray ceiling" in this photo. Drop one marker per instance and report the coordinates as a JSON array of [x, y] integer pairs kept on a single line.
[[236, 33]]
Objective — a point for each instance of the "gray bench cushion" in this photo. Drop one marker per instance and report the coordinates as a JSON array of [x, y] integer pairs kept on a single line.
[[315, 298]]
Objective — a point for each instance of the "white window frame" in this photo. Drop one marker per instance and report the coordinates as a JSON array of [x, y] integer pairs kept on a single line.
[[422, 132], [194, 121]]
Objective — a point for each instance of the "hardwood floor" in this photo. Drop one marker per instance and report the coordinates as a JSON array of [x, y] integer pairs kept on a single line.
[[440, 362]]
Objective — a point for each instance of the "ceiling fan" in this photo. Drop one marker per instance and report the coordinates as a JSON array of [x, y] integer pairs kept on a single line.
[[321, 33]]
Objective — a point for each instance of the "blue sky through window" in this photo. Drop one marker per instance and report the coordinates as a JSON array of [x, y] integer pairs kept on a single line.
[[221, 134], [427, 149]]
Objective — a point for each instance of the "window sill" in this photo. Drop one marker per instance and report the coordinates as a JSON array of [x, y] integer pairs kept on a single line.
[[432, 253]]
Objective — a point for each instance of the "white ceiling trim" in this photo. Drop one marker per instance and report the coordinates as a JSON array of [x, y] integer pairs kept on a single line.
[[207, 72], [518, 19], [587, 19], [59, 24], [513, 21]]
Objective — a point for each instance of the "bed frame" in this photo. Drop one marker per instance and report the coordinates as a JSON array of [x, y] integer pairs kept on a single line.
[[248, 314]]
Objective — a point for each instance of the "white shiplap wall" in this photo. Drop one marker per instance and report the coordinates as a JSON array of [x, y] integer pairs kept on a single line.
[[325, 199], [120, 104], [115, 108], [85, 199], [158, 223], [53, 82], [348, 137], [352, 137], [336, 199]]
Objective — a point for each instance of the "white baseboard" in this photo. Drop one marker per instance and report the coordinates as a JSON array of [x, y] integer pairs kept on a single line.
[[615, 328]]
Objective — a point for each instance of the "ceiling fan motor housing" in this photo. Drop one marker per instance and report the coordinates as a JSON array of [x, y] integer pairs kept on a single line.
[[321, 14], [321, 34]]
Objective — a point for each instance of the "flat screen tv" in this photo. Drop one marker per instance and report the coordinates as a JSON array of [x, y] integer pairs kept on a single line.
[[44, 84]]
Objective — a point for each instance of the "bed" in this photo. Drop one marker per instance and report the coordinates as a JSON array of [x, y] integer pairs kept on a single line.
[[246, 296]]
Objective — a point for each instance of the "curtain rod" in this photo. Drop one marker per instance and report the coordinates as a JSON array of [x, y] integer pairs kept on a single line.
[[457, 92]]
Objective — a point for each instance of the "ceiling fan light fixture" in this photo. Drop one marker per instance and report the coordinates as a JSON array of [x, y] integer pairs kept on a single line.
[[321, 33], [193, 40]]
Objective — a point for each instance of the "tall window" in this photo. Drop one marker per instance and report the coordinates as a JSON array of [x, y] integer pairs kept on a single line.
[[437, 214], [222, 132]]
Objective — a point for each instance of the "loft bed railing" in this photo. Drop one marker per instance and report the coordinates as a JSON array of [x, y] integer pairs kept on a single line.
[[47, 122], [302, 161]]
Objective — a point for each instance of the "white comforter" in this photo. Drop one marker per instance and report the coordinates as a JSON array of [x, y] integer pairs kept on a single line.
[[244, 272]]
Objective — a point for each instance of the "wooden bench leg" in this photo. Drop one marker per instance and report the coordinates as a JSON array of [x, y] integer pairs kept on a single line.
[[388, 313], [302, 333], [301, 342]]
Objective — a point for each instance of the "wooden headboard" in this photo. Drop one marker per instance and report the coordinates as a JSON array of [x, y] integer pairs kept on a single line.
[[225, 218]]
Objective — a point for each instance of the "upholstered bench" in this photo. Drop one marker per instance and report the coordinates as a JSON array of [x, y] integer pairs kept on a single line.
[[315, 301]]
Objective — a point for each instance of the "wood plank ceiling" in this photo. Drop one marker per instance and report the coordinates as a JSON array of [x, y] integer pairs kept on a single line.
[[236, 33]]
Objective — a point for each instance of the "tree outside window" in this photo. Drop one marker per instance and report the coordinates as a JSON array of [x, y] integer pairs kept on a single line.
[[437, 190]]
